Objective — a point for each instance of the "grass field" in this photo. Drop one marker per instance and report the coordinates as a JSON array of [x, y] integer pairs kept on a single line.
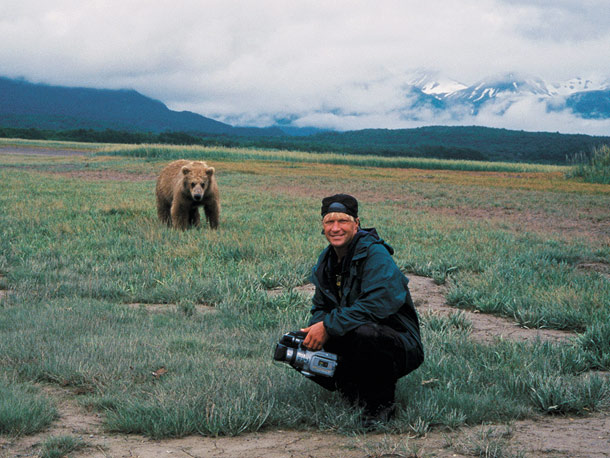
[[168, 333]]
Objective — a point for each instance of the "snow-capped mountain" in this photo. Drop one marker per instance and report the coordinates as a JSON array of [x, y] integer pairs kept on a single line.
[[585, 97], [434, 84], [426, 98], [504, 86], [579, 85]]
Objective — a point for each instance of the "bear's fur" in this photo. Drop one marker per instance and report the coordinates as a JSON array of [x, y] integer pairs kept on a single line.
[[184, 186]]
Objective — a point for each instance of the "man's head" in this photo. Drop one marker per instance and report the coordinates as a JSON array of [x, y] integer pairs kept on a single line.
[[340, 221]]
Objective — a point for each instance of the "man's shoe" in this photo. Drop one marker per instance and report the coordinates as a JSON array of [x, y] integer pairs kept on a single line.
[[379, 417]]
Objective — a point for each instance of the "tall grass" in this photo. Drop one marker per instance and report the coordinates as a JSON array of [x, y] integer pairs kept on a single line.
[[245, 154], [594, 167]]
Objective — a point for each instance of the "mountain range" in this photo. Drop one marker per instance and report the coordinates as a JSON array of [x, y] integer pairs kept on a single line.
[[585, 98], [24, 105], [27, 105]]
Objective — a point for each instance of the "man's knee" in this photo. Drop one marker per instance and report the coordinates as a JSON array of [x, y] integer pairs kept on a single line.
[[370, 341], [367, 332], [361, 339]]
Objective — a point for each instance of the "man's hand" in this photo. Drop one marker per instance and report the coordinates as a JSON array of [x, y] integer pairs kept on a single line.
[[316, 336]]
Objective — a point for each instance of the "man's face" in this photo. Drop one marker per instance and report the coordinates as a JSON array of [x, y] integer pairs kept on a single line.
[[339, 229]]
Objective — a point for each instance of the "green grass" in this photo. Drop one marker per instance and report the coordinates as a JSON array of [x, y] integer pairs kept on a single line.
[[245, 154], [593, 168], [61, 446], [595, 343], [23, 410], [101, 296], [49, 144], [537, 285]]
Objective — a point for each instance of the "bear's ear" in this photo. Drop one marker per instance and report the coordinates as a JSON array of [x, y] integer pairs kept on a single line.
[[185, 170], [209, 171]]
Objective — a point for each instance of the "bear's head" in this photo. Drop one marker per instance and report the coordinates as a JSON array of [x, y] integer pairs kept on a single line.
[[197, 176]]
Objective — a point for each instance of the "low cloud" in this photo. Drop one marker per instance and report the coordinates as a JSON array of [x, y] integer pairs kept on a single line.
[[344, 63]]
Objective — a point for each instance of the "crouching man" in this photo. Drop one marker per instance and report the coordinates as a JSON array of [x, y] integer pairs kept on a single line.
[[362, 311]]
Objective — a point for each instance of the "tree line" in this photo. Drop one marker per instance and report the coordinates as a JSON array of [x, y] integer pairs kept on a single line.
[[468, 143]]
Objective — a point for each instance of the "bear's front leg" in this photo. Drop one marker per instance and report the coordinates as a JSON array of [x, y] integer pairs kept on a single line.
[[212, 213], [180, 216], [194, 217], [163, 212]]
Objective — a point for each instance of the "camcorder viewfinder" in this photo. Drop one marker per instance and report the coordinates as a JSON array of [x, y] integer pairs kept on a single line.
[[290, 350]]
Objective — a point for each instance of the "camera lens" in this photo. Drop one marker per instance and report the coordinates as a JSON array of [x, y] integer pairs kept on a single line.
[[280, 353]]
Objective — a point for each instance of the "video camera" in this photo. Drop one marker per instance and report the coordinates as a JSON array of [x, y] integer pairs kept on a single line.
[[309, 363]]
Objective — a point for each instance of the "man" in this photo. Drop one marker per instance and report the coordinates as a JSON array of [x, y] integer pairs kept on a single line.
[[362, 311]]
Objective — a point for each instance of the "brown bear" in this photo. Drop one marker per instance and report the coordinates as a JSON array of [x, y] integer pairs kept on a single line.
[[184, 186]]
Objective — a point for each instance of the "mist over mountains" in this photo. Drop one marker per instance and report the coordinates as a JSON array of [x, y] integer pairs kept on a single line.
[[583, 97], [509, 101], [425, 98]]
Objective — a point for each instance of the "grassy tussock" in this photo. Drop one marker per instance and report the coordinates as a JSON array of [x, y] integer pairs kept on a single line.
[[23, 410], [61, 446]]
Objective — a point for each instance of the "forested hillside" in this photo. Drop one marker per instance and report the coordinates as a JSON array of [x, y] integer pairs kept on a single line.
[[26, 105]]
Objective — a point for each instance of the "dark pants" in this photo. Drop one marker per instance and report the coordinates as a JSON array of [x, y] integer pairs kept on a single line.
[[372, 358]]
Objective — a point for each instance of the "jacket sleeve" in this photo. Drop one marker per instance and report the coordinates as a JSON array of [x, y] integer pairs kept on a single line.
[[383, 292]]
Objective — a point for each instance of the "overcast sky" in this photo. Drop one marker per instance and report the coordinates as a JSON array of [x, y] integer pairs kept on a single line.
[[244, 61]]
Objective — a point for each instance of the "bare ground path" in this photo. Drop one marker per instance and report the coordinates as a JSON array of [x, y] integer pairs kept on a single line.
[[553, 437]]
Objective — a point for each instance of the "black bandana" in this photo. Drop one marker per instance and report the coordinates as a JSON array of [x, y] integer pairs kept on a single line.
[[340, 203]]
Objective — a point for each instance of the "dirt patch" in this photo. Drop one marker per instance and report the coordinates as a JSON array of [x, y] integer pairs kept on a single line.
[[43, 151], [74, 421], [595, 226], [106, 175], [430, 299], [68, 170], [599, 267], [307, 289]]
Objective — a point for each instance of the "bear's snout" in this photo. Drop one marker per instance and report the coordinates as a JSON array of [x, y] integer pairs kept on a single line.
[[197, 192]]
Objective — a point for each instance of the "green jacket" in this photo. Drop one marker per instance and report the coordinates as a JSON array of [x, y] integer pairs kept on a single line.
[[373, 289]]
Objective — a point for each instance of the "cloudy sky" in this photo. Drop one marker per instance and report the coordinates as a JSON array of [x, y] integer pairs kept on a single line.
[[340, 64]]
